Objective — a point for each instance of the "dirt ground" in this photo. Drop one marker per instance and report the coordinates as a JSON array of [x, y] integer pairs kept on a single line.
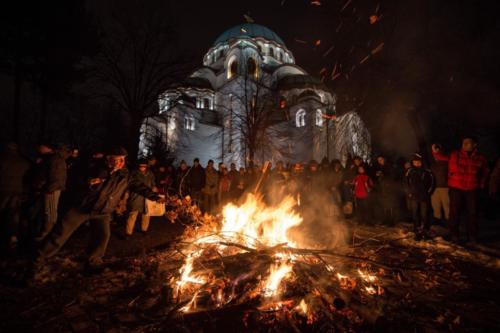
[[429, 286]]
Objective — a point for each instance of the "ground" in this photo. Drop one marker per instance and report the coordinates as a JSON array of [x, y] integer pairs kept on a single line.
[[426, 286]]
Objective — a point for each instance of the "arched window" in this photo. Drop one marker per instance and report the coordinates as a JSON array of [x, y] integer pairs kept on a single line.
[[189, 122], [319, 117], [271, 51], [206, 103], [279, 56], [252, 67], [300, 118], [233, 69]]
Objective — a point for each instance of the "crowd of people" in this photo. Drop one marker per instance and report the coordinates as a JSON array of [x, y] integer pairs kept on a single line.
[[44, 201]]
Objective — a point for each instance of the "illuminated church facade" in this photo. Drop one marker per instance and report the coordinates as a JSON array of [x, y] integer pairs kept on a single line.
[[251, 102]]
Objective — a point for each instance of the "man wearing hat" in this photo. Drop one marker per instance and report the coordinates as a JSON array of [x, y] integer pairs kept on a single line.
[[136, 203], [104, 193], [419, 186]]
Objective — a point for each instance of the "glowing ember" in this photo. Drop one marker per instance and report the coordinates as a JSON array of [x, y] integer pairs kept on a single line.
[[278, 273], [186, 273], [367, 277], [302, 306], [370, 290]]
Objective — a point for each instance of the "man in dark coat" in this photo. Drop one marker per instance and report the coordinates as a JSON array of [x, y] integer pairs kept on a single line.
[[335, 177], [181, 182], [50, 182], [234, 175], [196, 180], [136, 203], [419, 186], [385, 190], [106, 189], [211, 189], [13, 170]]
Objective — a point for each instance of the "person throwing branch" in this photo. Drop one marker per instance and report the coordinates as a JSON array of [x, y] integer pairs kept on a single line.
[[102, 197]]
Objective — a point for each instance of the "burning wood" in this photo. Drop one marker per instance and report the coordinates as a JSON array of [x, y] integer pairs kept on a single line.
[[251, 255]]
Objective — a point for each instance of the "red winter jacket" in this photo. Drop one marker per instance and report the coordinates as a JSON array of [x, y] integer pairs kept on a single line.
[[465, 172], [362, 186]]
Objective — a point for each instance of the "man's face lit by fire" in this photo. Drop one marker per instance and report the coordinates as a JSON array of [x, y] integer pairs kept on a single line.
[[416, 163], [115, 162], [468, 145], [381, 160], [143, 167], [357, 162]]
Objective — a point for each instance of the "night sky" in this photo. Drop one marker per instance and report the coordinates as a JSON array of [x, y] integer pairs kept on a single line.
[[398, 63]]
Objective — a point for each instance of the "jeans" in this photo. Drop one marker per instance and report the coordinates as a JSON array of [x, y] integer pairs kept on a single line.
[[363, 211], [99, 238], [419, 210], [467, 199]]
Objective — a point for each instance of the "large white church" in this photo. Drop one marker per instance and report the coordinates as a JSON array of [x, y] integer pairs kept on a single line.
[[251, 102]]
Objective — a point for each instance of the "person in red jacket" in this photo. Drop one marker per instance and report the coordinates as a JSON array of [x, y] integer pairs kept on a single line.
[[467, 172], [362, 187]]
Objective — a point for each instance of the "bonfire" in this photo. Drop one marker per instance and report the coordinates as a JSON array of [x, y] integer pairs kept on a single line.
[[251, 259]]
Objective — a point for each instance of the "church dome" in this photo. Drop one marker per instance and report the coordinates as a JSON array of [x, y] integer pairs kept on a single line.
[[248, 30]]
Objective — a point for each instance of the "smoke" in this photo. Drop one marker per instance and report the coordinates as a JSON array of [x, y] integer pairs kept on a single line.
[[323, 225]]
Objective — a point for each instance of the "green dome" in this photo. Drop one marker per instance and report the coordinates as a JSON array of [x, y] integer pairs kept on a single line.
[[249, 30]]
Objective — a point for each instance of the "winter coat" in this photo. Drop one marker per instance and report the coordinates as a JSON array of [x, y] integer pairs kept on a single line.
[[103, 198], [362, 186], [181, 181], [224, 183], [235, 179], [440, 171], [196, 178], [419, 183], [52, 173], [335, 178], [385, 181], [137, 202], [466, 171], [13, 171], [211, 182]]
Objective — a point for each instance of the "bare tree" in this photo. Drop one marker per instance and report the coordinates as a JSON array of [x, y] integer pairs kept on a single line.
[[138, 59], [253, 127]]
